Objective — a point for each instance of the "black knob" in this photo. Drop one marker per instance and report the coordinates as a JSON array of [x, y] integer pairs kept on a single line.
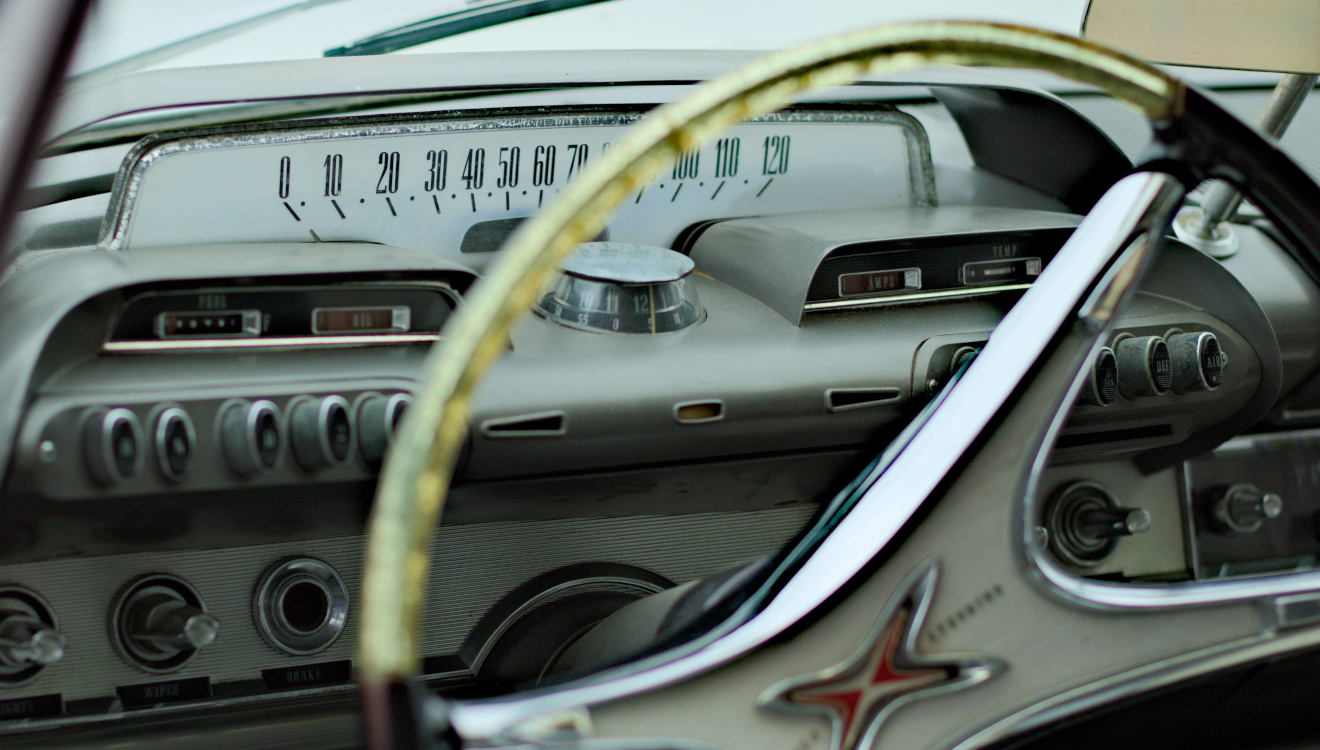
[[1242, 508], [174, 440], [1101, 386], [378, 417], [252, 436], [1084, 523], [161, 622], [1198, 362], [1144, 368], [112, 444], [321, 432]]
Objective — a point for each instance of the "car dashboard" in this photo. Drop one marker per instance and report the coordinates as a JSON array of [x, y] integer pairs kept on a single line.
[[208, 361]]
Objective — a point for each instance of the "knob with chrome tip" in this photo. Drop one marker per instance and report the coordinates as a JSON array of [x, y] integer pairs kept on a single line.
[[377, 418], [160, 623], [1100, 523], [1144, 368], [320, 432], [1198, 362], [1243, 509], [30, 638], [1101, 386], [1085, 523], [26, 641], [167, 625]]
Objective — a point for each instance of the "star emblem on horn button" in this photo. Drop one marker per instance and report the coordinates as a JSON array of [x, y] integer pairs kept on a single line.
[[886, 672]]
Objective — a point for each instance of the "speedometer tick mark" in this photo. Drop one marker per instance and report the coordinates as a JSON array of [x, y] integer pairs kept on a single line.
[[473, 196], [295, 216], [763, 187], [639, 194], [390, 203], [335, 203], [717, 190], [677, 190], [540, 196], [506, 200], [436, 201]]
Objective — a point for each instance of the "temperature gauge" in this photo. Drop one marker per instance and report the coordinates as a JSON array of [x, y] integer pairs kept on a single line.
[[624, 288]]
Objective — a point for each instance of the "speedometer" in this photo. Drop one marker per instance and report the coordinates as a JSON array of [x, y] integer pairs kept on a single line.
[[456, 185]]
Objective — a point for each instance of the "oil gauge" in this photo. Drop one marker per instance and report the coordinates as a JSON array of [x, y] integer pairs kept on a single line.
[[625, 288]]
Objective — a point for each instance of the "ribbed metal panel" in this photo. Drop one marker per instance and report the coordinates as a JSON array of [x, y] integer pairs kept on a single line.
[[474, 566]]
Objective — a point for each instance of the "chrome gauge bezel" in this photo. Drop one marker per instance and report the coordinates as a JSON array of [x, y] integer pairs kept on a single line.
[[267, 607], [132, 171]]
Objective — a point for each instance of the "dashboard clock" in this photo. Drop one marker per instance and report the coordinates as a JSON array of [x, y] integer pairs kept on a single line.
[[624, 288]]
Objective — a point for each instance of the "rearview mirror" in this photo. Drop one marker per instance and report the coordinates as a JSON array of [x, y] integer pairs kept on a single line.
[[1278, 35]]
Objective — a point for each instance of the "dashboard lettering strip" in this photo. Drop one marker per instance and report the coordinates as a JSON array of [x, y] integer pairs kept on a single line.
[[169, 691], [308, 675], [33, 707]]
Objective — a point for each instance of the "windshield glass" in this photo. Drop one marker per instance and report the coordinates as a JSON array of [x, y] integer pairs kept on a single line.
[[220, 33]]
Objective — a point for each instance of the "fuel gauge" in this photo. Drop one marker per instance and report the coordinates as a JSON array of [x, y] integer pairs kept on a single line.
[[625, 288]]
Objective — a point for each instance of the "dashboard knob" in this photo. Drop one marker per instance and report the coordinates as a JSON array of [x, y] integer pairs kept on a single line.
[[1198, 361], [161, 622], [1101, 386], [321, 432], [1085, 522], [251, 436], [1243, 509], [28, 636], [1144, 368], [1100, 523], [378, 417], [174, 440], [112, 444]]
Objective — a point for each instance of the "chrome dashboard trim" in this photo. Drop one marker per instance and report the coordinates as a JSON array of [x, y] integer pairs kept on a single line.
[[141, 347], [904, 486], [128, 180], [1055, 580], [901, 299]]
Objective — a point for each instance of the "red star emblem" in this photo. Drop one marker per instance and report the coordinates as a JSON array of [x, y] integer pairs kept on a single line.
[[885, 673]]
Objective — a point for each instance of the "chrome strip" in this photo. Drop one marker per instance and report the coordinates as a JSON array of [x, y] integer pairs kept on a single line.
[[1012, 351], [174, 345], [901, 299], [114, 229]]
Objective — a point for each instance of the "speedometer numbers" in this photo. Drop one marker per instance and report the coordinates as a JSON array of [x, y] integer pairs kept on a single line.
[[424, 184]]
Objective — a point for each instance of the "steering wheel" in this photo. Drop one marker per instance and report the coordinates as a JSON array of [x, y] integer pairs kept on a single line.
[[1195, 140]]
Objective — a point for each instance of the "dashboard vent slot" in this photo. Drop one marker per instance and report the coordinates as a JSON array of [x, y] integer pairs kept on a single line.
[[698, 412], [541, 424], [1113, 436], [849, 399]]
